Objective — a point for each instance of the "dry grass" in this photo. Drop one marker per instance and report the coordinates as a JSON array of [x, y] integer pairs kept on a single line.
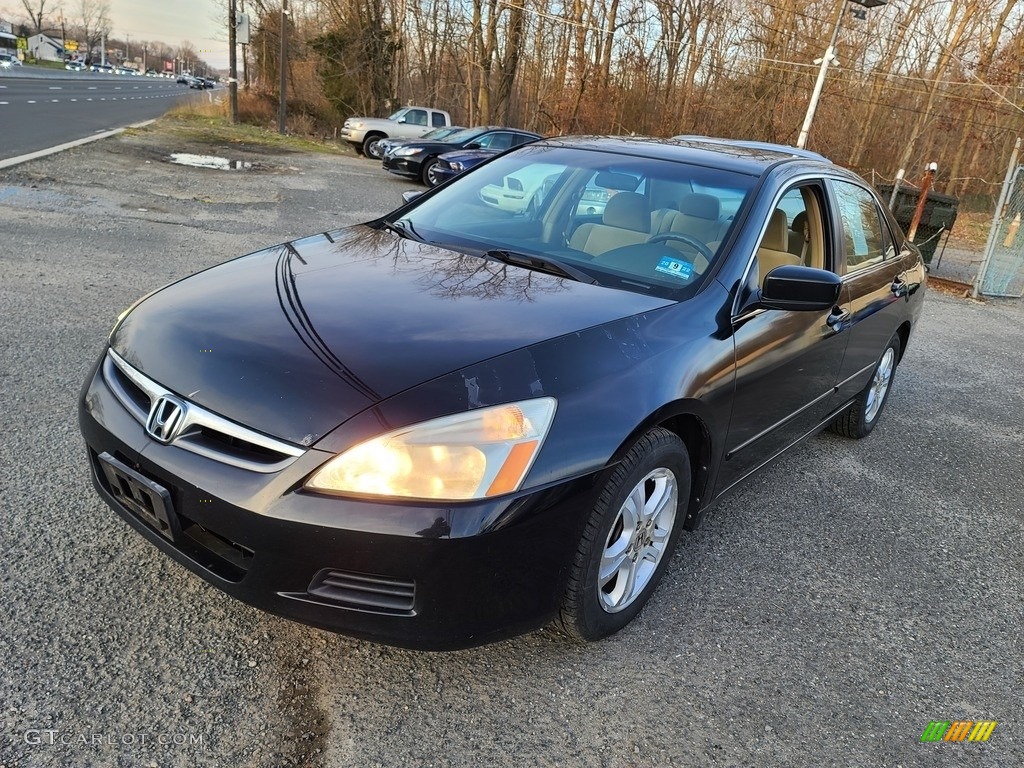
[[971, 230], [206, 122]]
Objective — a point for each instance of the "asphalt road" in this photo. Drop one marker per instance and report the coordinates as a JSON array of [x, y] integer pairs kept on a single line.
[[36, 113], [822, 616]]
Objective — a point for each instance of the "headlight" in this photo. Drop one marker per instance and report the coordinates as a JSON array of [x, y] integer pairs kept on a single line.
[[456, 166], [357, 124], [407, 151], [474, 455]]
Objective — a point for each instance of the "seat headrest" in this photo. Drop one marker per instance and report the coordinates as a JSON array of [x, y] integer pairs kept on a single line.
[[627, 210], [777, 235], [700, 206], [800, 223]]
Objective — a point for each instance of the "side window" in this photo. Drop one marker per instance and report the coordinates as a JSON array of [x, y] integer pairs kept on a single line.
[[521, 138], [500, 141], [416, 117], [437, 120], [862, 227], [794, 234]]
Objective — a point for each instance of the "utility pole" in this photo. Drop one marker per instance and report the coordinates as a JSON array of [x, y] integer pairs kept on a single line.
[[232, 62], [826, 60], [282, 106], [830, 53]]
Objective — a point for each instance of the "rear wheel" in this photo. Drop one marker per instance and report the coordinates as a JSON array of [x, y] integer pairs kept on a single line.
[[629, 538], [860, 418]]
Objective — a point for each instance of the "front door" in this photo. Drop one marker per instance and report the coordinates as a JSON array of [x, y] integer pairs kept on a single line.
[[787, 363]]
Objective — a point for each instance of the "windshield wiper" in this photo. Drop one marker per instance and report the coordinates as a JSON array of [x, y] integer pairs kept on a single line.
[[402, 228], [541, 263]]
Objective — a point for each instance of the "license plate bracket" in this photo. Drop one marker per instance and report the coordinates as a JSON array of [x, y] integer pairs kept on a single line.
[[145, 499]]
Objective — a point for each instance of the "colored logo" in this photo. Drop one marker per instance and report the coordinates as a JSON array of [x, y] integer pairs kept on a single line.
[[959, 730]]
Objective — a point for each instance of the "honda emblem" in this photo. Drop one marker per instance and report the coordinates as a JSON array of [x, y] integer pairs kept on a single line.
[[166, 418]]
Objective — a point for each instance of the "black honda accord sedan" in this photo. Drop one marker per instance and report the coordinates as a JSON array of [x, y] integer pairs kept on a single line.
[[460, 422]]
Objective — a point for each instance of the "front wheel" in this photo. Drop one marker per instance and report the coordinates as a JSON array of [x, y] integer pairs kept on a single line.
[[860, 418], [371, 146], [629, 538], [429, 173]]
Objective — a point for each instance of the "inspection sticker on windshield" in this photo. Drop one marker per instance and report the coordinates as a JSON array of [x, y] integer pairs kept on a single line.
[[681, 269]]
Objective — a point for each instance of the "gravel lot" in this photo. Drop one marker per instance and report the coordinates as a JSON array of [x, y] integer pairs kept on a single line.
[[821, 617]]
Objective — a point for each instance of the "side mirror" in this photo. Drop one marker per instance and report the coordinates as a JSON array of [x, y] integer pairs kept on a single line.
[[472, 145], [401, 120], [410, 195], [798, 288]]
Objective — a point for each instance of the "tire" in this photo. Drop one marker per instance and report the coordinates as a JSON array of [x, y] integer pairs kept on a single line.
[[655, 475], [371, 146], [426, 172], [358, 148], [860, 418]]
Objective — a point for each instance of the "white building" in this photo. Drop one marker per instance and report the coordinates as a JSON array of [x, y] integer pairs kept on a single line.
[[8, 40], [45, 48]]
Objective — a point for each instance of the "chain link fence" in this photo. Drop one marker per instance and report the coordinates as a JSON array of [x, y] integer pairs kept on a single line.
[[1002, 269]]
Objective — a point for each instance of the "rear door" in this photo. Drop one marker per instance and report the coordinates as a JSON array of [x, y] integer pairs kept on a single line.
[[871, 269]]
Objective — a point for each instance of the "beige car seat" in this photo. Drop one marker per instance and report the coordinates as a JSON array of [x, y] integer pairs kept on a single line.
[[772, 252], [626, 221]]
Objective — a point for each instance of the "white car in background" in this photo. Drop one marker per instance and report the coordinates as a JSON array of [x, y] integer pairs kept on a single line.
[[519, 190], [7, 61]]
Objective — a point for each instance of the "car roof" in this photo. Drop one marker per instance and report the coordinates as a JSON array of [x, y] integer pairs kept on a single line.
[[741, 156]]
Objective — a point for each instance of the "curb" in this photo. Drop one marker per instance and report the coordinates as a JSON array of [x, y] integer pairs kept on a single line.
[[69, 145]]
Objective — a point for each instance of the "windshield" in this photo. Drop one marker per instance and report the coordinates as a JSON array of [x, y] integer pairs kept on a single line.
[[465, 135], [440, 134], [399, 113], [633, 223]]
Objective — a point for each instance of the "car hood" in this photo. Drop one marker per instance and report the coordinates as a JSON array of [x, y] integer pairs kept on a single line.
[[296, 339], [429, 146], [469, 155]]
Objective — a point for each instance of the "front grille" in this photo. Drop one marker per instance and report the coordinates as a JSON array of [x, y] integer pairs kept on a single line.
[[363, 591], [203, 431]]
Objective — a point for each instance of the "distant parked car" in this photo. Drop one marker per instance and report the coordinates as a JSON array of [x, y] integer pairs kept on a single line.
[[75, 66], [104, 68], [183, 79], [418, 159], [366, 133], [7, 61], [451, 164], [197, 83], [438, 134]]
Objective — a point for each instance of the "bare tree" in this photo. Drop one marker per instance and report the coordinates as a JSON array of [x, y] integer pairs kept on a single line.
[[37, 11]]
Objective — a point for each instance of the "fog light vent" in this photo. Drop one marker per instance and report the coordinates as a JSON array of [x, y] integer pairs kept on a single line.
[[364, 591]]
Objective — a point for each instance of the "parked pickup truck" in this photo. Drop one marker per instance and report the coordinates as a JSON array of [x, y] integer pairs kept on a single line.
[[407, 123]]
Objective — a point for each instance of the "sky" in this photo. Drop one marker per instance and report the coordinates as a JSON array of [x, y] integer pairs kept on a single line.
[[172, 21]]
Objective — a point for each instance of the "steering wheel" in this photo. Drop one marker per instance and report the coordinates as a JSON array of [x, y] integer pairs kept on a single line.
[[693, 242]]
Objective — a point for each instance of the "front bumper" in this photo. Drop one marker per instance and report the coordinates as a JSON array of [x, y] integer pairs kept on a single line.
[[353, 135], [403, 166], [417, 575]]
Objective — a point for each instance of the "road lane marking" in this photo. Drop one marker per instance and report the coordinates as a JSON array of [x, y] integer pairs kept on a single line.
[[54, 101], [31, 101], [74, 99], [56, 88], [92, 88], [76, 143], [5, 102]]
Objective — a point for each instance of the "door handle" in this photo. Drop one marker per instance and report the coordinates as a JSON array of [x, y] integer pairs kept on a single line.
[[899, 286], [837, 318]]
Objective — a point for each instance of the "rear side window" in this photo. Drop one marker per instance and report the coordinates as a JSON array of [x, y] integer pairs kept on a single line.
[[864, 242], [437, 120]]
